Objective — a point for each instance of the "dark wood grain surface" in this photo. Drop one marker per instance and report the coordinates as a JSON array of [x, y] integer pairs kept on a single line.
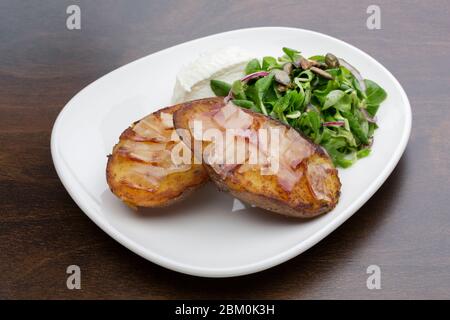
[[404, 228]]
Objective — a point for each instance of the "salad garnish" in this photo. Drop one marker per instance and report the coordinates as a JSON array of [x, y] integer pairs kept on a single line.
[[324, 97]]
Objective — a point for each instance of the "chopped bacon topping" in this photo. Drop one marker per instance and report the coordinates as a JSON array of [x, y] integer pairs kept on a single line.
[[146, 152], [151, 128], [150, 142], [214, 157], [200, 125], [143, 176], [317, 174], [167, 120], [288, 178], [298, 150], [232, 117], [224, 113]]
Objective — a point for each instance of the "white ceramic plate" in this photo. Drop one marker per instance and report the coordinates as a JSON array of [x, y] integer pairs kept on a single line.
[[209, 234]]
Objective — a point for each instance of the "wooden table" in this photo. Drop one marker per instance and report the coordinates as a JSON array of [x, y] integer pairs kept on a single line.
[[404, 228]]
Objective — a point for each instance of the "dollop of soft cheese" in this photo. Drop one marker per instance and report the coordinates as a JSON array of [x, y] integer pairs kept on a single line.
[[193, 80]]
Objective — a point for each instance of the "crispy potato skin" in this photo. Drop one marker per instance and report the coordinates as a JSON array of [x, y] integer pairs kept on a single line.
[[172, 188], [263, 190]]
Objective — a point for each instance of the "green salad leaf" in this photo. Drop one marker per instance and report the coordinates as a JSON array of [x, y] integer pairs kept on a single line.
[[220, 88], [253, 66], [374, 93], [326, 102], [375, 96], [269, 63], [259, 90], [247, 104], [238, 90], [291, 54]]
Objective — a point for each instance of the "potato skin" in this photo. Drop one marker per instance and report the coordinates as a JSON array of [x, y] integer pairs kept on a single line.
[[264, 191], [171, 188]]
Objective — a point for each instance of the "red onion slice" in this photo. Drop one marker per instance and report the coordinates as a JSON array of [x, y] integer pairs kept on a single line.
[[254, 75], [228, 97], [334, 124], [247, 78], [355, 73]]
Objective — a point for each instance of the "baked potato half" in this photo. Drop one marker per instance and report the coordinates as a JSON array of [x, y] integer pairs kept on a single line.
[[306, 183], [140, 170]]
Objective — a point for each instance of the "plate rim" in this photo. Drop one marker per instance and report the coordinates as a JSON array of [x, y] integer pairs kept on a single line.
[[82, 199]]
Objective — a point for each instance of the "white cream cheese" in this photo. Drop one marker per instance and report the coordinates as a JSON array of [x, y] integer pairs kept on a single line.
[[226, 64]]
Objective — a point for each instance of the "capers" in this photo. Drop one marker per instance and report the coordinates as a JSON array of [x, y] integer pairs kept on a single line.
[[321, 73], [316, 66], [303, 63], [331, 61], [319, 64], [281, 88], [282, 77], [288, 67]]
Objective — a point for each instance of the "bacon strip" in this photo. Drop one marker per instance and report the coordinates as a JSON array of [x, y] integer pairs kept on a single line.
[[316, 175], [150, 128], [146, 152]]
